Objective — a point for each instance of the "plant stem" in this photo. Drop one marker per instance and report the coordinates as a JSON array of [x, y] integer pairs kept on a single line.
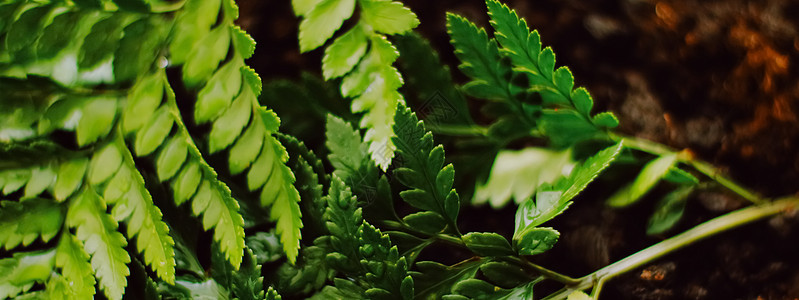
[[542, 271], [458, 242], [714, 226], [686, 158], [458, 130]]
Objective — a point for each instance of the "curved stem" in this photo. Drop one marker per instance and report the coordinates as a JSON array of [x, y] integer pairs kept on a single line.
[[458, 130], [714, 226], [686, 158], [458, 242], [547, 273]]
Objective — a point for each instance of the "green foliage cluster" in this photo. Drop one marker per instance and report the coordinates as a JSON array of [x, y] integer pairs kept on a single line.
[[138, 160], [91, 103], [363, 56]]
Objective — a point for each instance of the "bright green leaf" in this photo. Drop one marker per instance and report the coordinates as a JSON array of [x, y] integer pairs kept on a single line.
[[388, 17], [171, 158], [322, 21], [69, 178], [534, 241], [225, 129], [646, 180], [246, 148], [96, 120], [344, 53], [669, 210], [487, 244], [104, 164]]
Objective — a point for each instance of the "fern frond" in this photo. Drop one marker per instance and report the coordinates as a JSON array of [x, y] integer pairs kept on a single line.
[[369, 77], [556, 87], [21, 271], [271, 294], [229, 99], [311, 180], [245, 283], [480, 60], [347, 154], [343, 219], [134, 205], [210, 196], [387, 270], [21, 223], [98, 232], [360, 250], [320, 22], [517, 174], [422, 169], [373, 85], [75, 268]]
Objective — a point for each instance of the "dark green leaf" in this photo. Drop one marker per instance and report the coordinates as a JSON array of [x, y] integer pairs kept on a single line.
[[487, 244], [534, 241], [427, 221], [649, 176], [669, 211]]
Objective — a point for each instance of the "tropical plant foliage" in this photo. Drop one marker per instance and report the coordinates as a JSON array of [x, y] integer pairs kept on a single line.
[[138, 160], [92, 109]]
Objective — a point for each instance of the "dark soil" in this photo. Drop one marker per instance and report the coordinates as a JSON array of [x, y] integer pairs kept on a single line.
[[719, 78]]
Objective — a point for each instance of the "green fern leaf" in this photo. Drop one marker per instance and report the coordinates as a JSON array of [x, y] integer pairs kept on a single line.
[[203, 61], [343, 220], [522, 46], [271, 294], [140, 47], [388, 17], [311, 180], [230, 124], [423, 169], [646, 180], [75, 268], [193, 22], [143, 99], [347, 153], [244, 284], [104, 163], [98, 232], [41, 178], [387, 270], [319, 24], [372, 80], [106, 35], [554, 86], [24, 222], [69, 178], [144, 221], [374, 85], [480, 60], [211, 198], [552, 200], [518, 173], [19, 272], [97, 119], [344, 53], [266, 158], [216, 95], [13, 180]]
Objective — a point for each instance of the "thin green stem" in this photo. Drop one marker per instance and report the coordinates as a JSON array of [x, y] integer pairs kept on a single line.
[[685, 157], [541, 270], [458, 242], [458, 130], [712, 227]]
